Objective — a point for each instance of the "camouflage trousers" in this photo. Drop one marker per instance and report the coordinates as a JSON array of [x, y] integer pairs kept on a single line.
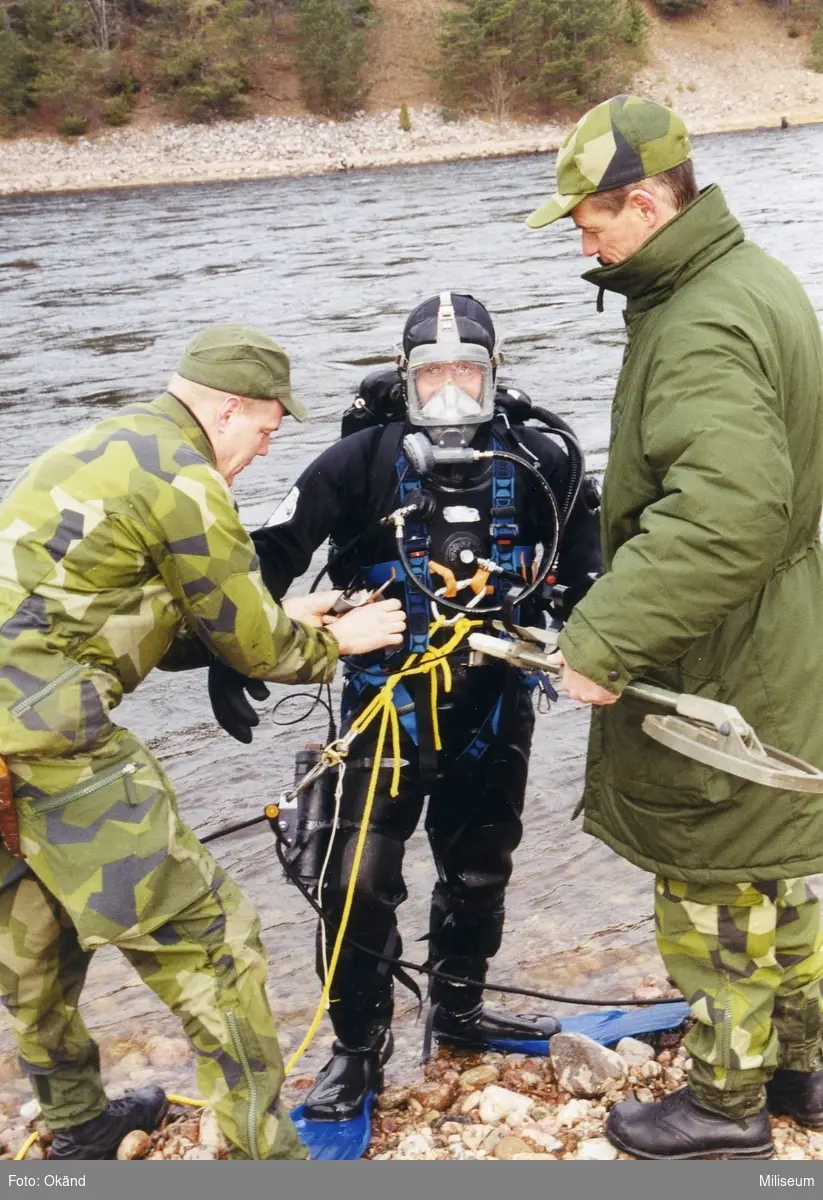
[[108, 862], [748, 958]]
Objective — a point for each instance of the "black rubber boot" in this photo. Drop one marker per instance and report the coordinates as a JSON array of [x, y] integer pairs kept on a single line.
[[479, 1027], [342, 1085], [678, 1127], [797, 1094], [100, 1137]]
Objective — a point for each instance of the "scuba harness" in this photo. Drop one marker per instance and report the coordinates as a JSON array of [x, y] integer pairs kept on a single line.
[[500, 582]]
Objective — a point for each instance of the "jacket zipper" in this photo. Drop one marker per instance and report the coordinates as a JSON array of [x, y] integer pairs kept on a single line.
[[727, 1029], [28, 702], [251, 1082], [105, 777]]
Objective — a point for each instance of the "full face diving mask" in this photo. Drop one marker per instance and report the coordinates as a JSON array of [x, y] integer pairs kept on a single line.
[[449, 383]]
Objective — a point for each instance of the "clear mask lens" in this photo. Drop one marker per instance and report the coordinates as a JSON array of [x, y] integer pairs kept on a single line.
[[455, 392]]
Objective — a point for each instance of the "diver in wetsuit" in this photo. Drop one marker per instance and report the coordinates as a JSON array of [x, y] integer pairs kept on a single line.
[[488, 523]]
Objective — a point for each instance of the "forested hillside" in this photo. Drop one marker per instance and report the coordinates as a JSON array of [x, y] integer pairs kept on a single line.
[[76, 65]]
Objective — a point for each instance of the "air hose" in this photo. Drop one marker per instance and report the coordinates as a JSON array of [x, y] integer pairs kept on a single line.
[[547, 560]]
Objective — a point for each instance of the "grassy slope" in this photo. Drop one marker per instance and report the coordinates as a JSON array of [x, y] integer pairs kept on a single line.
[[721, 52]]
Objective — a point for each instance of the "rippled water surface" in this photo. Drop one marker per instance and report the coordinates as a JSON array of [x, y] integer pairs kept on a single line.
[[99, 292]]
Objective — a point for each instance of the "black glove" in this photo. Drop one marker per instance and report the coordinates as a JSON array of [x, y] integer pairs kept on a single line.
[[227, 692]]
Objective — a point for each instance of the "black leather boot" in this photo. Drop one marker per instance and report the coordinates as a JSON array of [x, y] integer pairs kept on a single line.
[[678, 1127], [342, 1085], [797, 1094], [479, 1027], [100, 1137]]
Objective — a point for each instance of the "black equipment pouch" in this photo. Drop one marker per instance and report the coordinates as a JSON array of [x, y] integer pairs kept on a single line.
[[305, 825]]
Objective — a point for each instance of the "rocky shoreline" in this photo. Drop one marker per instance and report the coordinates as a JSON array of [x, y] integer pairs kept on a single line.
[[463, 1107], [263, 147], [270, 147]]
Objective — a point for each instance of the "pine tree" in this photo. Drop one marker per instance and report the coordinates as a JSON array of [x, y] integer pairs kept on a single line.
[[17, 73], [331, 54], [202, 50], [578, 51], [636, 27], [557, 53]]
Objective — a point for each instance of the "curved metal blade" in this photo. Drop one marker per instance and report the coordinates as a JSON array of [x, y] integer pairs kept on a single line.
[[729, 753]]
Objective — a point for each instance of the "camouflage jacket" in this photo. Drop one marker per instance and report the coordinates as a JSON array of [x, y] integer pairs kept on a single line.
[[118, 547]]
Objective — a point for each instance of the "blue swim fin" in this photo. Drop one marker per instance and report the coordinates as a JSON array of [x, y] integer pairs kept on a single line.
[[348, 1140], [606, 1027], [339, 1141]]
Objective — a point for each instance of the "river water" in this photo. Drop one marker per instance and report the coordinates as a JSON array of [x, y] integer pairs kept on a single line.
[[100, 291]]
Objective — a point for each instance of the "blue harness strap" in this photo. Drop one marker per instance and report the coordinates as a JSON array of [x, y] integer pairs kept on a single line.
[[416, 543], [485, 735], [503, 528]]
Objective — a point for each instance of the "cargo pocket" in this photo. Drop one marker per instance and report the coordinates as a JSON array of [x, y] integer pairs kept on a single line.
[[65, 715], [113, 850], [21, 707]]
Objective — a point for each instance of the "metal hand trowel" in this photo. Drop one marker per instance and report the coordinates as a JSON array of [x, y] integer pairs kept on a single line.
[[702, 729]]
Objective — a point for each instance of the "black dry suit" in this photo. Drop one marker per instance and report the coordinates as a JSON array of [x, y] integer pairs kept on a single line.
[[476, 782]]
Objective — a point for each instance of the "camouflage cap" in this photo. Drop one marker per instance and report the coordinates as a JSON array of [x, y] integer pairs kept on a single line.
[[622, 140], [242, 360]]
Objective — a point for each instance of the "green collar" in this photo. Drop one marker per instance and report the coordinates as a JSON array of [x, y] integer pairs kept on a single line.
[[187, 422], [700, 234]]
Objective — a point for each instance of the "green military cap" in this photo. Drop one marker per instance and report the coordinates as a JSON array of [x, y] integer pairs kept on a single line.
[[622, 140], [242, 360]]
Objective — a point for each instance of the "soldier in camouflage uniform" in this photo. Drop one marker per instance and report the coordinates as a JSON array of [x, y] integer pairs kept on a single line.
[[713, 576], [121, 550]]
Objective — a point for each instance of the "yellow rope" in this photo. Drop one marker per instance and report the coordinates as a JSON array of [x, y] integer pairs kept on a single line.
[[187, 1100], [382, 705], [27, 1145], [358, 853]]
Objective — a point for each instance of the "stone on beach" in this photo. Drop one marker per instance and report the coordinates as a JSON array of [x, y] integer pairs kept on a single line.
[[415, 1145], [582, 1066], [507, 1147], [136, 1144], [634, 1052], [478, 1077], [599, 1149], [499, 1104], [210, 1134]]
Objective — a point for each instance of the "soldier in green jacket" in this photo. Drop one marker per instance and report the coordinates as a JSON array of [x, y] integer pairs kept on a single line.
[[121, 550], [713, 584]]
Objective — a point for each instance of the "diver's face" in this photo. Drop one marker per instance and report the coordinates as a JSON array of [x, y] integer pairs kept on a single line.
[[432, 377]]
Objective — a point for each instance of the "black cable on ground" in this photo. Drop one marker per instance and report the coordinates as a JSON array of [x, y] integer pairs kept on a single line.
[[422, 968], [433, 973]]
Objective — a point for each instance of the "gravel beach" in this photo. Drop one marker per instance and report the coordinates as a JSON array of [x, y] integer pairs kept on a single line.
[[464, 1106]]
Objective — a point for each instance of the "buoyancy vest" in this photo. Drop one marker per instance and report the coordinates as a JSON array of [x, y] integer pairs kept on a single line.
[[482, 517]]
